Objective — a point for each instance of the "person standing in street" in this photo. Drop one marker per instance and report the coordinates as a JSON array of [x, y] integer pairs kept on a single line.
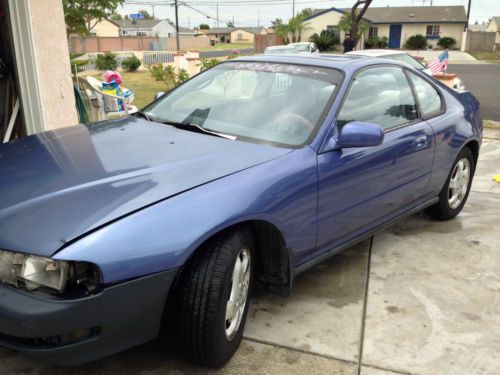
[[349, 44]]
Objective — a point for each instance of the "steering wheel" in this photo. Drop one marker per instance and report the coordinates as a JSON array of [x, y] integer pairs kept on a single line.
[[289, 122]]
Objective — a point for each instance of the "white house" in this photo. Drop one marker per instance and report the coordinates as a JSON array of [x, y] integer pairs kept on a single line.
[[157, 28]]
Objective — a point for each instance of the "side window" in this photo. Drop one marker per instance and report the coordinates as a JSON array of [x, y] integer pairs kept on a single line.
[[381, 96], [428, 97]]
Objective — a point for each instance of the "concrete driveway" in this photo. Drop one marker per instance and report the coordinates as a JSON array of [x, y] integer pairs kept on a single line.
[[422, 297]]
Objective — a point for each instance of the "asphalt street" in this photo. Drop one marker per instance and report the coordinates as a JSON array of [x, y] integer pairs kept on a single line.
[[484, 82]]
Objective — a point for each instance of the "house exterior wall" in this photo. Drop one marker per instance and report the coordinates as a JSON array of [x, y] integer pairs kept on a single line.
[[105, 28], [320, 23], [245, 36], [454, 30], [163, 30], [53, 75], [493, 26]]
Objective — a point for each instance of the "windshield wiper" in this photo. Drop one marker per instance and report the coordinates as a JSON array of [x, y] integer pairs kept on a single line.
[[197, 129], [143, 115]]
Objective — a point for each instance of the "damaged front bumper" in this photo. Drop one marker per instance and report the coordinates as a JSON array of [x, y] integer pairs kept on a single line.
[[72, 332]]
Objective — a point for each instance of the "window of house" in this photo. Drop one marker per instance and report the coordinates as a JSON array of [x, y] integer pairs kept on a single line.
[[124, 32], [142, 33], [433, 30], [428, 97], [240, 36], [373, 31], [381, 96]]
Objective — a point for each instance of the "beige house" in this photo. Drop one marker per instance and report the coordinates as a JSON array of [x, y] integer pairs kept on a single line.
[[494, 25], [238, 34], [105, 28], [398, 23]]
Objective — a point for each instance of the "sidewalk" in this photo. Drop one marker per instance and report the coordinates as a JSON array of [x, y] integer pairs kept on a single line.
[[455, 57]]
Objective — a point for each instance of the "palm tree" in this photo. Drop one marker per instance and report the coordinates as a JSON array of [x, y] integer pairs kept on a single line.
[[296, 27], [345, 24], [325, 40]]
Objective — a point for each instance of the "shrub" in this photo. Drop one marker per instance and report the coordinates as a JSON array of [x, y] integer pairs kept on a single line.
[[182, 76], [131, 64], [208, 63], [107, 61], [325, 41], [376, 42], [168, 75], [446, 42], [416, 42]]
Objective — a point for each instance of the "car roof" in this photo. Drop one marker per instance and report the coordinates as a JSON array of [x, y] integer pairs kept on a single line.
[[343, 62], [375, 52]]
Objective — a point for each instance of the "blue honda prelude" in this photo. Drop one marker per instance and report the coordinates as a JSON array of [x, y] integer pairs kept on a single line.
[[248, 173]]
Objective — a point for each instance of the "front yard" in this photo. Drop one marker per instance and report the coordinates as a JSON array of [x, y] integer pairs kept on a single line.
[[141, 83]]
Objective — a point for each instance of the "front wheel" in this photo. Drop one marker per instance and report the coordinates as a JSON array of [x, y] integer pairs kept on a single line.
[[214, 298], [456, 190]]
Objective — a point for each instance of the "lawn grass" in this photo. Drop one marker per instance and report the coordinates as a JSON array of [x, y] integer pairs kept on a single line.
[[487, 124], [142, 84], [488, 56], [224, 46]]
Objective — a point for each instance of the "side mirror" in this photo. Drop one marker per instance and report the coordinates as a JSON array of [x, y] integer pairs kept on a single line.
[[159, 94], [359, 134]]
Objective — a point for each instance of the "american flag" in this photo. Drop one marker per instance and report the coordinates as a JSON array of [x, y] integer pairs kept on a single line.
[[440, 64]]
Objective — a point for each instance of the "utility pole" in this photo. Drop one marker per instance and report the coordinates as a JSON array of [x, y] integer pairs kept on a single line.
[[468, 13], [293, 8], [176, 25], [258, 19], [217, 5]]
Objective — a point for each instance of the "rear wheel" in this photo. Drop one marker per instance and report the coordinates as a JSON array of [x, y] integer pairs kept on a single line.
[[214, 294], [456, 190]]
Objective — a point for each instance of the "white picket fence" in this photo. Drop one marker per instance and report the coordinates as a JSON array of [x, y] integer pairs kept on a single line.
[[157, 57], [149, 57]]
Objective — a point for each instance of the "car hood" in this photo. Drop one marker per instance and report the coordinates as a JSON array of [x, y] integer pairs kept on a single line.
[[59, 185]]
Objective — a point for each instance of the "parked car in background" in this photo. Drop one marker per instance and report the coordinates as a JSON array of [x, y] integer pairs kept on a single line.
[[305, 47], [279, 50], [250, 172], [403, 57], [302, 48]]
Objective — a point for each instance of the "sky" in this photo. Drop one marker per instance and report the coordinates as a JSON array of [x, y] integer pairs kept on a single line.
[[260, 12]]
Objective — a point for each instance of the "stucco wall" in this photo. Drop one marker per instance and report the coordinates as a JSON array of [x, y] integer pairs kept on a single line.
[[245, 36], [446, 29], [163, 30], [105, 28], [52, 60], [320, 23]]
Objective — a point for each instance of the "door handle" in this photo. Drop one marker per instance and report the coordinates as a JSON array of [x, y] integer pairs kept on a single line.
[[420, 142]]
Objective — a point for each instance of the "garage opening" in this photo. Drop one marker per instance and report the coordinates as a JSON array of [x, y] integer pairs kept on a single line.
[[11, 118]]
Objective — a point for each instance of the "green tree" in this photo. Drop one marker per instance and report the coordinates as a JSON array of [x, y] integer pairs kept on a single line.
[[82, 15], [276, 23], [345, 24], [146, 14], [204, 26], [297, 25], [116, 17], [230, 24]]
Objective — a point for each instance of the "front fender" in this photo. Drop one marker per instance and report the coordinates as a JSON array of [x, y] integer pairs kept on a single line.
[[282, 192]]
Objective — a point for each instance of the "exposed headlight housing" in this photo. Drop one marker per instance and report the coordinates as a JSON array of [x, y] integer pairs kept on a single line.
[[32, 272]]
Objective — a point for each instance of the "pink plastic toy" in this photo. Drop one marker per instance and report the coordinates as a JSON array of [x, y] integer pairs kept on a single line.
[[110, 76]]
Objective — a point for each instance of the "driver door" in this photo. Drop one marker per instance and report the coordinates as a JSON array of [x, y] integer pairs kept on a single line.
[[362, 187]]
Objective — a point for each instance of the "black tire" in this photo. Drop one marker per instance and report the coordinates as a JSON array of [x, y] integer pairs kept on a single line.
[[442, 210], [203, 293]]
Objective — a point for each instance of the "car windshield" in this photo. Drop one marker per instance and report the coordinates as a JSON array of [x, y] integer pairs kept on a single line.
[[403, 57], [279, 51], [271, 103], [304, 47]]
